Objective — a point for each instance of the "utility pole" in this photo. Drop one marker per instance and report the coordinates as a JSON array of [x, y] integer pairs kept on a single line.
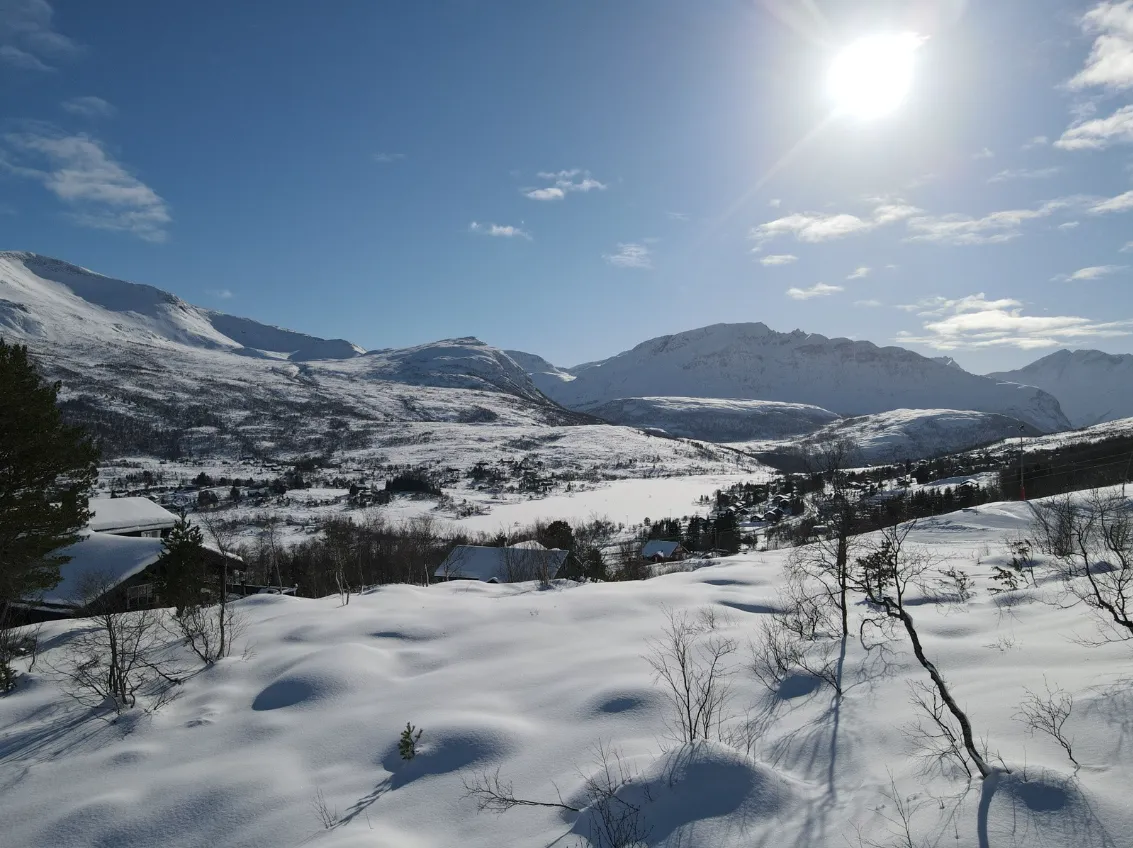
[[1022, 488]]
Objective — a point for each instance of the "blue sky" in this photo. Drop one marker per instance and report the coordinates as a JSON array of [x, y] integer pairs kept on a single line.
[[572, 178]]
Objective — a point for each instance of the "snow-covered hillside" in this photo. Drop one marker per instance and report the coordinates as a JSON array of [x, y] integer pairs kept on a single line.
[[543, 374], [716, 419], [918, 433], [297, 742], [751, 361], [1091, 386]]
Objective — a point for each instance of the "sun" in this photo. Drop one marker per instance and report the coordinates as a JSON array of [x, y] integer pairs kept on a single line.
[[872, 77]]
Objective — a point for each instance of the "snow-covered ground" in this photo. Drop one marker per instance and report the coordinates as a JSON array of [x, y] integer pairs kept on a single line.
[[530, 682]]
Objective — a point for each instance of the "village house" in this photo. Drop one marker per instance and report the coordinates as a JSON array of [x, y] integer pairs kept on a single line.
[[658, 550], [139, 517], [512, 564]]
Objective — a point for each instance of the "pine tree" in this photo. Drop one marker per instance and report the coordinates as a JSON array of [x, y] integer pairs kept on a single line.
[[181, 566], [46, 471]]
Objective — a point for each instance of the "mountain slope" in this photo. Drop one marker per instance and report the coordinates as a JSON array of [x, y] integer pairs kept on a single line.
[[1093, 387], [751, 361]]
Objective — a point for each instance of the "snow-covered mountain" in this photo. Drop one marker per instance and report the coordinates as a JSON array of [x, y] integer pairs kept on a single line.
[[753, 362], [1092, 386], [155, 376], [55, 301], [716, 419]]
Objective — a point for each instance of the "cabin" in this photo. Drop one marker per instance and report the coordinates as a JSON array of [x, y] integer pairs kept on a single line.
[[658, 550], [108, 571], [134, 517], [512, 564]]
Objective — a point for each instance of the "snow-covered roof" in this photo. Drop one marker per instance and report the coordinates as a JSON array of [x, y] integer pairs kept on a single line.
[[524, 561], [658, 547], [128, 515], [101, 557]]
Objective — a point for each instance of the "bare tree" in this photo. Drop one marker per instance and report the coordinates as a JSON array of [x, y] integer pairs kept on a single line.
[[1048, 714], [780, 652], [270, 545], [692, 661], [885, 576], [934, 733], [1091, 537], [15, 642], [118, 657], [828, 560], [223, 534]]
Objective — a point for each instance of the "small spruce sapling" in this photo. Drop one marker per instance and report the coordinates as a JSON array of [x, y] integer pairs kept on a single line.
[[407, 747]]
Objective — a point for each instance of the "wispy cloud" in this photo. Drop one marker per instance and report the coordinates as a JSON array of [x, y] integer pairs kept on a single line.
[[630, 255], [1110, 63], [995, 228], [1094, 272], [986, 153], [1121, 203], [677, 216], [1100, 133], [1070, 225], [1036, 141], [817, 290], [859, 273], [387, 158], [872, 304], [778, 259], [88, 107], [565, 182], [498, 230], [817, 227], [101, 193], [28, 39], [1127, 248], [1023, 174], [222, 294], [976, 322], [775, 203]]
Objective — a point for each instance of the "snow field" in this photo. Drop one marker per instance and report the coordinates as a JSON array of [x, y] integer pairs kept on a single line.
[[530, 681]]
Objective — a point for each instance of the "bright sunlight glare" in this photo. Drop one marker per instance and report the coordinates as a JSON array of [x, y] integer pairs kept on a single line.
[[872, 77]]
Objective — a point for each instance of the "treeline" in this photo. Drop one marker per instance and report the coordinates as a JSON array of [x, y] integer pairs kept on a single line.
[[378, 552], [1069, 468]]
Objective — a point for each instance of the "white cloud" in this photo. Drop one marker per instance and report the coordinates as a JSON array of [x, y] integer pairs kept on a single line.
[[1100, 133], [775, 203], [817, 227], [28, 39], [100, 191], [88, 107], [869, 303], [565, 183], [1023, 174], [1094, 272], [545, 194], [223, 294], [630, 255], [1036, 141], [1070, 225], [677, 216], [817, 290], [1110, 63], [498, 230], [995, 228], [859, 273], [1121, 203], [1128, 247], [387, 158], [976, 322], [778, 259], [986, 153]]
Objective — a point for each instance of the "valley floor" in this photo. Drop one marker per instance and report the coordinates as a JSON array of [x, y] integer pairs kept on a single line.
[[532, 681]]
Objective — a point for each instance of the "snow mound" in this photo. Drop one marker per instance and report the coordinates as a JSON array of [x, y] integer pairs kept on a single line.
[[702, 794], [326, 678]]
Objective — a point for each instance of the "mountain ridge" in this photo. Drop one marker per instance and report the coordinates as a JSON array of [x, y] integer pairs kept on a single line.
[[1092, 386]]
